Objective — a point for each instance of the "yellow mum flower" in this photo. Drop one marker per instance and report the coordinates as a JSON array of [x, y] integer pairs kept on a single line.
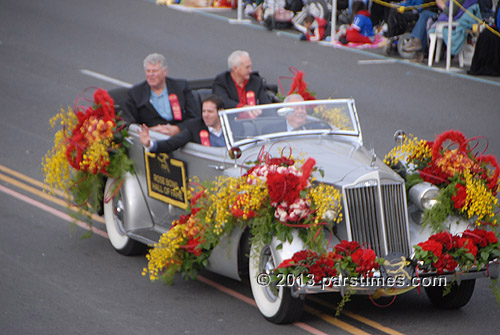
[[410, 150]]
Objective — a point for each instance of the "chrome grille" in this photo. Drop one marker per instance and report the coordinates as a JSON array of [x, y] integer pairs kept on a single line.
[[393, 198], [377, 217]]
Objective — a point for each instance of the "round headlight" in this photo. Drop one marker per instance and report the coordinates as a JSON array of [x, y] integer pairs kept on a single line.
[[424, 195], [430, 198]]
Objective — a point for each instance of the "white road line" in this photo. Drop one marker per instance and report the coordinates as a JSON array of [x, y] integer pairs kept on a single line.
[[377, 61], [105, 78], [52, 211]]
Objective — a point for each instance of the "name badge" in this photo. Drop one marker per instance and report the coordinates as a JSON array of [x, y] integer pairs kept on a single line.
[[176, 107], [251, 98], [205, 138]]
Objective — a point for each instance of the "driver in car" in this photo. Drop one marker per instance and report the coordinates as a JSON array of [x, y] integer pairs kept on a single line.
[[295, 117], [206, 131], [298, 118]]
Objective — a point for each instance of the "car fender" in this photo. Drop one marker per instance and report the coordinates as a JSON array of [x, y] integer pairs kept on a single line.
[[224, 257], [137, 215], [287, 249]]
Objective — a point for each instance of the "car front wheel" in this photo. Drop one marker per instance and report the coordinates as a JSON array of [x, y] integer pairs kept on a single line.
[[459, 295], [114, 211], [275, 303]]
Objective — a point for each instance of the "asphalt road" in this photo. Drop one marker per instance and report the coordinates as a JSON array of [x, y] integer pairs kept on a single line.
[[54, 282]]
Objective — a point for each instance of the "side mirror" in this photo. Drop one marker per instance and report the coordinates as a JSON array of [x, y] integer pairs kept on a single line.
[[235, 153], [399, 136]]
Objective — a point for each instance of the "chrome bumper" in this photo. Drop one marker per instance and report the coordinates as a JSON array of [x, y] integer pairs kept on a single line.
[[380, 286]]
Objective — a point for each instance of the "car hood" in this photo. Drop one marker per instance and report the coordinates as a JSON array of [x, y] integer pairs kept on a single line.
[[342, 159]]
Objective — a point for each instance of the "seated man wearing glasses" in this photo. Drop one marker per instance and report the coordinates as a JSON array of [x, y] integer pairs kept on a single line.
[[160, 102], [206, 131]]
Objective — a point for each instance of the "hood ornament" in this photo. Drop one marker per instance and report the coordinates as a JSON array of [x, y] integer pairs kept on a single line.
[[374, 158]]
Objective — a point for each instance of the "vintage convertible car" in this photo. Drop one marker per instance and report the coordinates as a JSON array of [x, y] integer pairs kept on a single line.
[[376, 211]]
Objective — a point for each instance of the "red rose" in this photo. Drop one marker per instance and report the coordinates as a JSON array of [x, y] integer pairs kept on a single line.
[[445, 262], [491, 237], [280, 161], [357, 255], [433, 246], [366, 262], [304, 255], [283, 187], [192, 246], [346, 247], [467, 244], [445, 238], [460, 196], [478, 236], [433, 174]]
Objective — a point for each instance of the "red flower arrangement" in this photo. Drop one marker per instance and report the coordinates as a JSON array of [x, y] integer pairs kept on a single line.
[[468, 179], [308, 262], [96, 127], [356, 260], [284, 183], [89, 148], [193, 234], [349, 258], [444, 252]]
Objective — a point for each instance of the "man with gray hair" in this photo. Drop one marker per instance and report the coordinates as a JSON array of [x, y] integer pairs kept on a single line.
[[160, 102], [295, 117], [239, 86]]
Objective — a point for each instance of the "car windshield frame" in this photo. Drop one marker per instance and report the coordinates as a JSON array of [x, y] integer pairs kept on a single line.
[[230, 118]]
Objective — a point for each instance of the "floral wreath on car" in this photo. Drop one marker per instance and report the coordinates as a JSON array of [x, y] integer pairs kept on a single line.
[[275, 196], [89, 147], [468, 182]]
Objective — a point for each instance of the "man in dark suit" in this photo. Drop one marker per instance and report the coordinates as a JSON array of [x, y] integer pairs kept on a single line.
[[206, 131], [160, 102], [295, 119], [240, 87]]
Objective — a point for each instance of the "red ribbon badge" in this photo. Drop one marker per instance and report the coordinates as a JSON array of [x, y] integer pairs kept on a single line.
[[176, 107], [251, 98], [205, 138]]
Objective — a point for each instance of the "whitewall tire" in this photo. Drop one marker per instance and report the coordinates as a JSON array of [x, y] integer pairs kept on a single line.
[[113, 214], [276, 304]]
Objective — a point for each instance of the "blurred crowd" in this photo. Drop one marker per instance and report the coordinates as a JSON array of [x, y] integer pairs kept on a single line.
[[405, 27]]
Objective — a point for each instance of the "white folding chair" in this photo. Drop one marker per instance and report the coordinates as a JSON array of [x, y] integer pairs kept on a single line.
[[436, 43]]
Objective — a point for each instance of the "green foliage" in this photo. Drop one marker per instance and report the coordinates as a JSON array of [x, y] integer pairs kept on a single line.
[[496, 291], [345, 299], [437, 215]]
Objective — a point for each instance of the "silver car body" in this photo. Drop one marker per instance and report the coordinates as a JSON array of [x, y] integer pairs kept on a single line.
[[375, 205]]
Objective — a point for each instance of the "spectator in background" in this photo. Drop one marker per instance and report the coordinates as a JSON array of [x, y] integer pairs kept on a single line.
[[160, 102], [486, 7], [419, 33], [206, 131], [314, 28], [361, 29], [486, 59], [239, 86], [398, 19]]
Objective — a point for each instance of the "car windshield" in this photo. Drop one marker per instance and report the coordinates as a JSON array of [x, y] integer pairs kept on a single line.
[[290, 119]]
